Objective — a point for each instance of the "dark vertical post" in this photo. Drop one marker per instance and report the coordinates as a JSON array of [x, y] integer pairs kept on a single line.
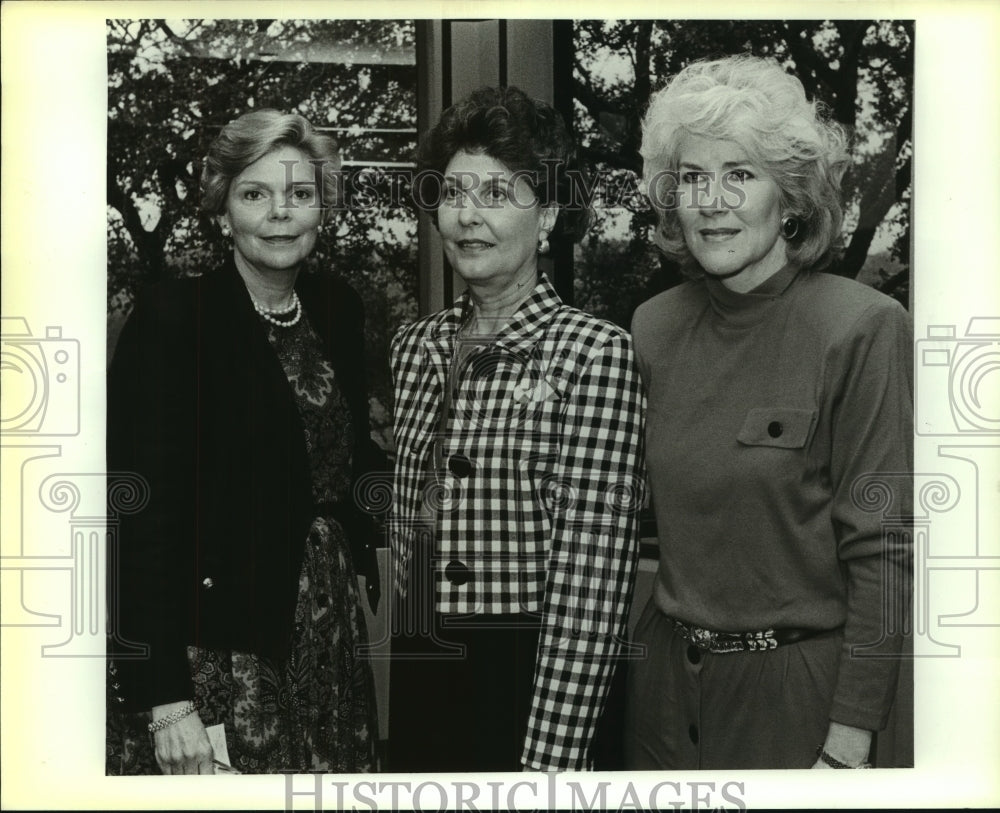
[[562, 83]]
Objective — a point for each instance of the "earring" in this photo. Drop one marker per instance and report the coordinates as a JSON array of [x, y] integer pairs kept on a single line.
[[789, 227], [226, 231], [543, 242]]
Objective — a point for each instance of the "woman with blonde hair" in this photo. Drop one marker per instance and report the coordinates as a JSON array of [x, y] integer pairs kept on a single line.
[[239, 397], [776, 395]]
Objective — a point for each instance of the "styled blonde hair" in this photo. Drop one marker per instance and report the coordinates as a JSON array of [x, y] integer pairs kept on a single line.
[[252, 136], [755, 103]]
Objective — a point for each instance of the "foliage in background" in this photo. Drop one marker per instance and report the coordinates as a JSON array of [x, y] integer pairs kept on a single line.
[[863, 71], [172, 85]]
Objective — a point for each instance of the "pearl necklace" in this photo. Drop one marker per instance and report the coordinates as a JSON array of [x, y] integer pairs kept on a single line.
[[269, 313]]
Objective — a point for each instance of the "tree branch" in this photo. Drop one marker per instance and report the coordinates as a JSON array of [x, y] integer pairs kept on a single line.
[[875, 203], [852, 35], [149, 244], [616, 159], [891, 284], [586, 94], [175, 38], [904, 176], [595, 107], [644, 38], [806, 58]]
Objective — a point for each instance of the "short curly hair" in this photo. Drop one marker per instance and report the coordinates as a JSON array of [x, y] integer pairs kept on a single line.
[[252, 136], [755, 103], [525, 135]]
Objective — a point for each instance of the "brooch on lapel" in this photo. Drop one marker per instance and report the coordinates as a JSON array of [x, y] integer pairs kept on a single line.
[[528, 390]]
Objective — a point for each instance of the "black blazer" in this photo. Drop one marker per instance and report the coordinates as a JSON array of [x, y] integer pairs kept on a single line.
[[199, 406]]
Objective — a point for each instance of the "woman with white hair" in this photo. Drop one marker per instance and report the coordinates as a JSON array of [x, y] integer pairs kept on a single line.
[[777, 395]]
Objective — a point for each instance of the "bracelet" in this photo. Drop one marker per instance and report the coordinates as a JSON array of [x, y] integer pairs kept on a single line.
[[833, 762], [171, 718]]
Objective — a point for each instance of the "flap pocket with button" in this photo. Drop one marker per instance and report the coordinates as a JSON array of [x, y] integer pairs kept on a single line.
[[783, 428]]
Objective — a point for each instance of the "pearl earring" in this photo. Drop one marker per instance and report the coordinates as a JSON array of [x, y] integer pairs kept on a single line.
[[226, 231], [543, 242]]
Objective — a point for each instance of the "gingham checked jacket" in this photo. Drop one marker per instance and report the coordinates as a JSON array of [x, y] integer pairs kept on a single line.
[[533, 494]]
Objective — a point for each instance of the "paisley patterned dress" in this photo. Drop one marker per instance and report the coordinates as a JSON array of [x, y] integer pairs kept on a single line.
[[316, 710]]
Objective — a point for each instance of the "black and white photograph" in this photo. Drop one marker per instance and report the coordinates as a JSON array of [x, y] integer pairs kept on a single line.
[[429, 412]]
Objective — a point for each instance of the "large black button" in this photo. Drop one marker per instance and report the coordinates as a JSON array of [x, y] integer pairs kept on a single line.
[[693, 733], [694, 654], [460, 465], [456, 572], [774, 429]]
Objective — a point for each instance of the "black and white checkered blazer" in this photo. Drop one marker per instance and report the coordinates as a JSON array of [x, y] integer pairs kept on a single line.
[[532, 488]]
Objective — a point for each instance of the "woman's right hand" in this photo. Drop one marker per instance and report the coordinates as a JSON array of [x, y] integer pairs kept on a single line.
[[182, 747]]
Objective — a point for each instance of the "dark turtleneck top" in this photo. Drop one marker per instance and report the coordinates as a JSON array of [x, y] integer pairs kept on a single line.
[[779, 447]]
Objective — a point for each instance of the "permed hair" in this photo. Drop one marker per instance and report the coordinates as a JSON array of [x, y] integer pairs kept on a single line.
[[252, 136], [753, 102], [523, 134]]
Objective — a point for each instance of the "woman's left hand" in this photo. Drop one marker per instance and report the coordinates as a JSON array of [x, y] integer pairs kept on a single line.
[[846, 744]]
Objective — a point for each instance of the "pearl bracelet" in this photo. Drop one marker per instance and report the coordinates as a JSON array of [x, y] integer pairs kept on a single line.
[[833, 762], [171, 718]]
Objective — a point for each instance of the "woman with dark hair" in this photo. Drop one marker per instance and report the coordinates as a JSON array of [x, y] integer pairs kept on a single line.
[[239, 397], [779, 397], [518, 471]]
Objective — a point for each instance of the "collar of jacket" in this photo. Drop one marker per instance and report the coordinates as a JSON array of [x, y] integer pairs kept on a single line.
[[331, 307], [521, 330], [518, 336]]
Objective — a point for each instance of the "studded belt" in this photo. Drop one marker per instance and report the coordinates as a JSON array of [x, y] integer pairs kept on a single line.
[[723, 642]]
